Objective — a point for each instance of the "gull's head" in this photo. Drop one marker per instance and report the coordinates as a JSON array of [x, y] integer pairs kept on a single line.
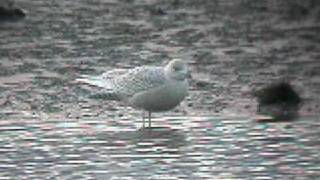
[[177, 69]]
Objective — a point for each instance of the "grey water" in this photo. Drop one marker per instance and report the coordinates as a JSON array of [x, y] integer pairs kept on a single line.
[[187, 148], [51, 129]]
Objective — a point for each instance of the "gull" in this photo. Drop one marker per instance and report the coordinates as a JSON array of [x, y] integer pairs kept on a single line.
[[149, 88]]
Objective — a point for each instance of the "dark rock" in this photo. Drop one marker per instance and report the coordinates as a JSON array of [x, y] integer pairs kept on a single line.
[[278, 100], [16, 12], [278, 93], [8, 10]]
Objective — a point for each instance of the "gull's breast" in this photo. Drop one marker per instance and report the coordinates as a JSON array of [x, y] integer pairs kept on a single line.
[[162, 98]]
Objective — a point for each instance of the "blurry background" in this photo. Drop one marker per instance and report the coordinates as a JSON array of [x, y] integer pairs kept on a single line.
[[232, 47]]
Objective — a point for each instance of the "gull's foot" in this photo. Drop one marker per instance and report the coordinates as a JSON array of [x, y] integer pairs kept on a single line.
[[146, 128]]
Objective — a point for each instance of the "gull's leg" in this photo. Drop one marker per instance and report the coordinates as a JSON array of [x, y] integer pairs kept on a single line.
[[143, 120], [149, 115]]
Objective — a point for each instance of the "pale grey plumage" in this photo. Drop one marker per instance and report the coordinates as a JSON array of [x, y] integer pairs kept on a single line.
[[121, 85], [149, 88], [138, 80]]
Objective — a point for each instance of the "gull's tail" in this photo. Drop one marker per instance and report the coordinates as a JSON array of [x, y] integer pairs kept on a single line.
[[100, 81]]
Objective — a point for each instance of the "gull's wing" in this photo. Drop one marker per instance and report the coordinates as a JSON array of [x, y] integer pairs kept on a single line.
[[104, 80], [121, 83], [138, 80]]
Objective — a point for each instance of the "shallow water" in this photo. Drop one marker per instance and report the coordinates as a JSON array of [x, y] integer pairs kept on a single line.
[[51, 129], [178, 148]]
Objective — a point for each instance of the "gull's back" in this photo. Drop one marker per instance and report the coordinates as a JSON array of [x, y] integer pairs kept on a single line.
[[137, 80]]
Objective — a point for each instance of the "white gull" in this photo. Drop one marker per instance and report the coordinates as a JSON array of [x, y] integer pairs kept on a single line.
[[150, 88]]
